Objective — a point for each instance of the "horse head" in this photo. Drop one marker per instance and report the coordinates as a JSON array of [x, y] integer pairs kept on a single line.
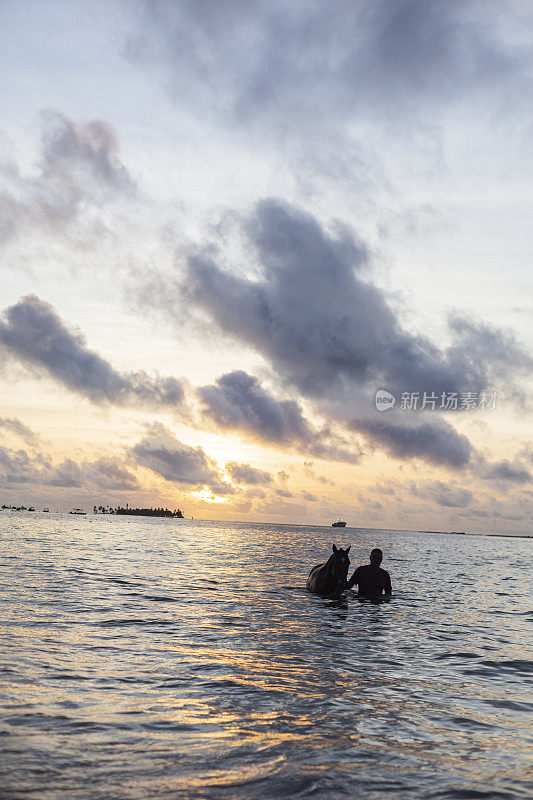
[[339, 561], [330, 578]]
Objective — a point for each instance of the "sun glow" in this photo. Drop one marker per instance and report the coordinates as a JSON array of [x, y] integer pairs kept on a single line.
[[207, 495]]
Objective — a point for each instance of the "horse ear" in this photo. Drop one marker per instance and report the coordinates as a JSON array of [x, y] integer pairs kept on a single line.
[[348, 548], [334, 549]]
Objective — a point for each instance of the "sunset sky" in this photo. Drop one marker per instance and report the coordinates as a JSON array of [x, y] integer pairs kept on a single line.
[[225, 225]]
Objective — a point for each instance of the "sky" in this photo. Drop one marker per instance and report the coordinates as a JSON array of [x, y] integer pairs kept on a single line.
[[269, 261]]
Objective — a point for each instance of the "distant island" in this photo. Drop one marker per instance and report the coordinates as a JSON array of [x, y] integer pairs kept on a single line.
[[139, 512], [458, 533]]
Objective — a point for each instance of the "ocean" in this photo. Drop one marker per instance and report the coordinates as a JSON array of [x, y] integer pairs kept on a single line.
[[153, 658]]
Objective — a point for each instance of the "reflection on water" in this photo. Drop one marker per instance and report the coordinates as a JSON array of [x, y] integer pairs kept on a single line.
[[147, 658]]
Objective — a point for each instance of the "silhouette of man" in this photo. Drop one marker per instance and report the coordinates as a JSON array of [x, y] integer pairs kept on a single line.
[[370, 578]]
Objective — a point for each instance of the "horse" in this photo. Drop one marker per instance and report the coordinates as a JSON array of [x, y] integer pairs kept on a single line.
[[329, 579]]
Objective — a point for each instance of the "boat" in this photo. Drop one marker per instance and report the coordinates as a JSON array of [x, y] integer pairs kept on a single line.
[[78, 511], [339, 524], [46, 510]]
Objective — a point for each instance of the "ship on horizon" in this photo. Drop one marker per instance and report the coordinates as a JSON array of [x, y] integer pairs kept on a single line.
[[339, 524]]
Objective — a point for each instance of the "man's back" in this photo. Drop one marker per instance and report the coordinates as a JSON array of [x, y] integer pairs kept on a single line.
[[371, 580]]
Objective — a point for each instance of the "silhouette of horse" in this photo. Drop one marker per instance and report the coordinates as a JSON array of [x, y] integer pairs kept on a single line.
[[329, 579]]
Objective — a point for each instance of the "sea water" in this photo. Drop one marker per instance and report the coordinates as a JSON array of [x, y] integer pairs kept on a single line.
[[154, 658]]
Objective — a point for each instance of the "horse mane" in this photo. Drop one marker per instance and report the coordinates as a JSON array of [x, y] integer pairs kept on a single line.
[[330, 563]]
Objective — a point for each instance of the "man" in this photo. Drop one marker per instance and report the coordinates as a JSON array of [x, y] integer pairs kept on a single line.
[[371, 580]]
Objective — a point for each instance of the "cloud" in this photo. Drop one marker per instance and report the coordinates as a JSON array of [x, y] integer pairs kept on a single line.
[[15, 426], [486, 355], [325, 328], [353, 59], [383, 489], [280, 508], [106, 473], [370, 506], [435, 441], [449, 496], [238, 402], [309, 471], [67, 474], [112, 473], [247, 475], [32, 332], [353, 97], [526, 451], [16, 466], [507, 472], [188, 467], [327, 332], [88, 151], [284, 493], [254, 491], [79, 168]]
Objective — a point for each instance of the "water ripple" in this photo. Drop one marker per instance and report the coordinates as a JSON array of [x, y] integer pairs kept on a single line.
[[146, 660]]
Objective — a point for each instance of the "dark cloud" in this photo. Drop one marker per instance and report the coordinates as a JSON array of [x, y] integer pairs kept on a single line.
[[335, 337], [348, 60], [323, 327], [247, 475], [309, 497], [15, 426], [507, 472], [106, 473], [19, 467], [111, 473], [32, 332], [82, 154], [79, 168], [443, 494], [16, 466], [188, 467], [67, 474], [487, 356], [238, 402], [435, 441]]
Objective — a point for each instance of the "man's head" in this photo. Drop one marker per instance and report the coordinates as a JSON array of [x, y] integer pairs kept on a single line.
[[376, 557]]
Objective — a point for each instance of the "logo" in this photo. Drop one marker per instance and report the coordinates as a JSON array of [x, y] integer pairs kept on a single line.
[[384, 400]]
